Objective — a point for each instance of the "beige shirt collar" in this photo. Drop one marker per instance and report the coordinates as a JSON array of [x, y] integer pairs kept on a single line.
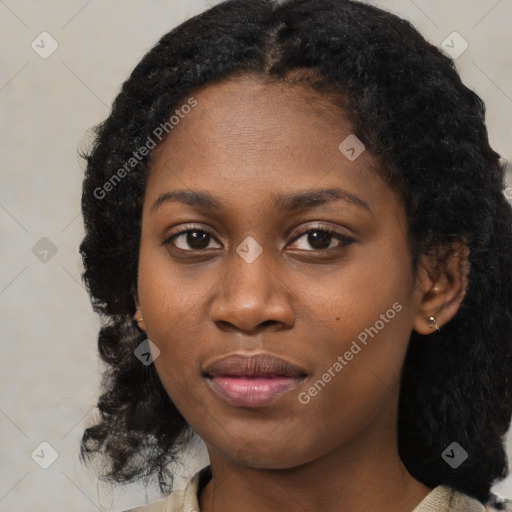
[[440, 499]]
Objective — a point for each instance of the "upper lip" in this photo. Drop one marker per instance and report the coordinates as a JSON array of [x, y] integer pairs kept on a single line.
[[255, 365]]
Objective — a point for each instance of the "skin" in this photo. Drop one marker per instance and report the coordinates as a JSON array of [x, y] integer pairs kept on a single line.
[[245, 142]]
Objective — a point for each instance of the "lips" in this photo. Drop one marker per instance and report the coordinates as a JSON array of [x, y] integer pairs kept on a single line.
[[252, 380], [258, 365]]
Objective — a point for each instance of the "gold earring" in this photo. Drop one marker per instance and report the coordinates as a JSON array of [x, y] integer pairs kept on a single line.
[[139, 319], [432, 323]]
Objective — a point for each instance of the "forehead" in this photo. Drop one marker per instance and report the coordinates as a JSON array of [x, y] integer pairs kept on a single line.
[[248, 140], [250, 105], [249, 118]]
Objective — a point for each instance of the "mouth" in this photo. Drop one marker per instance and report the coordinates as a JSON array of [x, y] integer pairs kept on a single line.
[[252, 380]]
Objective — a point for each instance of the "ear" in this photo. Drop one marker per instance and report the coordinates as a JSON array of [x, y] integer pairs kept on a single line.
[[442, 284], [137, 317]]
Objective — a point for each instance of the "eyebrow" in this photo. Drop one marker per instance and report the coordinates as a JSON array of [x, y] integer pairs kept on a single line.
[[289, 202]]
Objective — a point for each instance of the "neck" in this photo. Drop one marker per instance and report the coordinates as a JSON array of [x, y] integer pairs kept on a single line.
[[361, 476]]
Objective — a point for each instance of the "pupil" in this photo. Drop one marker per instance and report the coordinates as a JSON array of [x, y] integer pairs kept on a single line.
[[322, 239], [196, 239]]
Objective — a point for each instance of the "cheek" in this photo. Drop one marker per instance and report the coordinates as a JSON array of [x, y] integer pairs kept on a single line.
[[171, 295], [170, 300], [371, 291], [367, 321]]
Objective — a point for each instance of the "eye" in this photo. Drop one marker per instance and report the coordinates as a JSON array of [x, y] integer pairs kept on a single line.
[[321, 238], [318, 238], [190, 240]]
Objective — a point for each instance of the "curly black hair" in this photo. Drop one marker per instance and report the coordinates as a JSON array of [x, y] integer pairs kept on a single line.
[[406, 102]]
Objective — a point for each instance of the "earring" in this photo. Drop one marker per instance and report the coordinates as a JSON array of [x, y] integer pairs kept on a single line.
[[138, 319], [432, 323]]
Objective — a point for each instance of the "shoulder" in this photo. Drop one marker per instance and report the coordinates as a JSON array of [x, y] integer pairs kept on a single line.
[[446, 499], [182, 500], [173, 503], [156, 506]]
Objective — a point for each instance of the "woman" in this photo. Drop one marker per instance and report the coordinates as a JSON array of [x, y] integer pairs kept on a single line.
[[297, 237]]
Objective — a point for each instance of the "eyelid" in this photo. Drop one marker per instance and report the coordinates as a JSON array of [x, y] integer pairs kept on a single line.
[[320, 227], [297, 234]]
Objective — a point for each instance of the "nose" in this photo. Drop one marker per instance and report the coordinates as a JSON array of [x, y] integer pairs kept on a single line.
[[252, 296]]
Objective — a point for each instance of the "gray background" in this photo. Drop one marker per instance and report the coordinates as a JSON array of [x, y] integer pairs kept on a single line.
[[49, 371]]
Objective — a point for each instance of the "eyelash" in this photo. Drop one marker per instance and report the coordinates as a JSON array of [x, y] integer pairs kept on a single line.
[[344, 240]]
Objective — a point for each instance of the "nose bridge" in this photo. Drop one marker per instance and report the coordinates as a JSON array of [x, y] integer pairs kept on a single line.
[[249, 292], [248, 280]]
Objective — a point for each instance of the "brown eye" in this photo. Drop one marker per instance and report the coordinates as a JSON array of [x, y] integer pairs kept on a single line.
[[321, 239], [318, 239], [190, 240]]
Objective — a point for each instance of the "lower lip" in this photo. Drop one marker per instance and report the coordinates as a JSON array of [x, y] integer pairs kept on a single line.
[[252, 391]]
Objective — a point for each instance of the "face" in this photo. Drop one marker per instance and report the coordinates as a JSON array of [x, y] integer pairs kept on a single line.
[[261, 236]]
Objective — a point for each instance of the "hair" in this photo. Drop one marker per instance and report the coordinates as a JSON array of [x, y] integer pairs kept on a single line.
[[406, 102]]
